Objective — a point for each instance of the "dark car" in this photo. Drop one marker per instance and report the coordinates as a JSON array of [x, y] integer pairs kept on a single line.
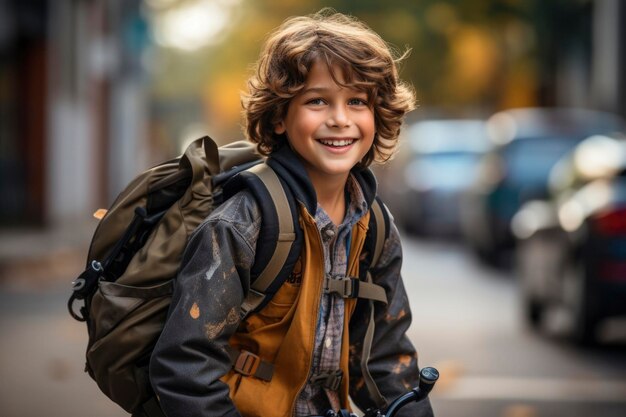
[[571, 248], [436, 162], [527, 144]]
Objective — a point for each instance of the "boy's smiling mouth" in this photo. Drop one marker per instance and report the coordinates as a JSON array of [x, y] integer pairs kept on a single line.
[[337, 142]]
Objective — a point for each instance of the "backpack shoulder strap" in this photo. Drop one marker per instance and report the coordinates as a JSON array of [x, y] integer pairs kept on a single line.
[[280, 237], [381, 222], [286, 237], [379, 232]]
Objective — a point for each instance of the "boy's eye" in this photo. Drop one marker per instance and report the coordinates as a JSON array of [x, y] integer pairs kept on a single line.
[[357, 102], [315, 101]]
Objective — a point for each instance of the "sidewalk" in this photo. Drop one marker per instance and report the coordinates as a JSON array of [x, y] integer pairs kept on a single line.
[[40, 258]]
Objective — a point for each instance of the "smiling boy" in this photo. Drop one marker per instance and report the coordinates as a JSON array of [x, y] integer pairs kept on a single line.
[[324, 103], [331, 128]]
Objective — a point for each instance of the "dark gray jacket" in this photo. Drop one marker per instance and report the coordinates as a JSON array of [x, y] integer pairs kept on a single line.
[[190, 356]]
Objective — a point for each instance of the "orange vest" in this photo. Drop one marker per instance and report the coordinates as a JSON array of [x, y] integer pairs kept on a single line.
[[283, 332]]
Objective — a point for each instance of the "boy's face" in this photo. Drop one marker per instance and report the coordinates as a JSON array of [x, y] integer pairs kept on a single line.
[[331, 127]]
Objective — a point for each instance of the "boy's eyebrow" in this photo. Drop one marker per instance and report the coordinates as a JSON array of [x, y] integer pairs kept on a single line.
[[315, 90], [322, 89]]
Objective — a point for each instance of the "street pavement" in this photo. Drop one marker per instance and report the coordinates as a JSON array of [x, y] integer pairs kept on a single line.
[[466, 323]]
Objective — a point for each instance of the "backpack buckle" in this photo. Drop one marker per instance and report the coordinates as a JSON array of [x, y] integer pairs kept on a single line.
[[246, 363], [330, 380], [83, 287], [347, 287], [86, 283]]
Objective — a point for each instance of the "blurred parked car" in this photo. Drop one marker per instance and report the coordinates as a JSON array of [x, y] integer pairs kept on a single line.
[[572, 247], [437, 161], [527, 144]]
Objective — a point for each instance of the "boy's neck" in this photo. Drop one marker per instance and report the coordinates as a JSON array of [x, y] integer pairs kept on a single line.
[[331, 196]]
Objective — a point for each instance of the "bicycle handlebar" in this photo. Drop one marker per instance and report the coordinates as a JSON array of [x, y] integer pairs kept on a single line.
[[428, 377]]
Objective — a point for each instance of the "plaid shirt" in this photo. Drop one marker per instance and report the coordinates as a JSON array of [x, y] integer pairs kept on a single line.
[[315, 399]]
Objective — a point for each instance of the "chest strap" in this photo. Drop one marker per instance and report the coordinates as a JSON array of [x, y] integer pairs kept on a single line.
[[351, 287], [248, 364], [330, 380]]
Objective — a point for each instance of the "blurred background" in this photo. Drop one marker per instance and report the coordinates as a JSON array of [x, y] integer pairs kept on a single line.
[[509, 186]]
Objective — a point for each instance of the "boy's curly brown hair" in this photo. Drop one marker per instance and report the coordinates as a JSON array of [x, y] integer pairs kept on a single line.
[[367, 63]]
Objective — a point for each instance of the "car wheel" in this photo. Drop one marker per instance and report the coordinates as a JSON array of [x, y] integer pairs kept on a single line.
[[533, 311], [578, 300], [526, 272], [489, 256]]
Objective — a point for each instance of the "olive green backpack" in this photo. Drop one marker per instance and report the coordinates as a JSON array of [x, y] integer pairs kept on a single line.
[[137, 247]]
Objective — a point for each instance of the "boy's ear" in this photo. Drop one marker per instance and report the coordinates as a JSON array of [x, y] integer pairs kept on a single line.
[[279, 128]]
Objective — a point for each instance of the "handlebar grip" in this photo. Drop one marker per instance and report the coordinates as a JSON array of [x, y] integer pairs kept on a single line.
[[428, 377]]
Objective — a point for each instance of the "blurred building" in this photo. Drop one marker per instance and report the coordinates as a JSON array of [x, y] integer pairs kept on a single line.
[[74, 94], [73, 107], [608, 63], [582, 54]]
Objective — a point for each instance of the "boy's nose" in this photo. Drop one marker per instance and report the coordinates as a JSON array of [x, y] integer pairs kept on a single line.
[[338, 117]]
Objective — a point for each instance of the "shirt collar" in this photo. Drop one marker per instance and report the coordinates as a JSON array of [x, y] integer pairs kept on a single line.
[[357, 206]]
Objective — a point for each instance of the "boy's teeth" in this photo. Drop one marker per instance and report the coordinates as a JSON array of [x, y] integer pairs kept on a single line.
[[341, 142]]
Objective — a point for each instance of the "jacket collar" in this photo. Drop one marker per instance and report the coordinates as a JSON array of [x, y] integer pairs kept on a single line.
[[287, 164]]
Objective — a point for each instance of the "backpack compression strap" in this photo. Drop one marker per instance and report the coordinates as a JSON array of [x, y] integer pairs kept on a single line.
[[286, 236]]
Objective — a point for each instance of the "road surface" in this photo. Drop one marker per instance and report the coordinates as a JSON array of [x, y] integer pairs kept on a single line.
[[466, 323]]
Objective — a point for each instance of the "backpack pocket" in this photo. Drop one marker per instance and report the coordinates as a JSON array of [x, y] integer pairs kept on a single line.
[[276, 309], [123, 342], [282, 301], [113, 302]]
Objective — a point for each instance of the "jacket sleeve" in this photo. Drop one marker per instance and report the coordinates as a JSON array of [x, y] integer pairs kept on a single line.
[[393, 359], [190, 357]]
